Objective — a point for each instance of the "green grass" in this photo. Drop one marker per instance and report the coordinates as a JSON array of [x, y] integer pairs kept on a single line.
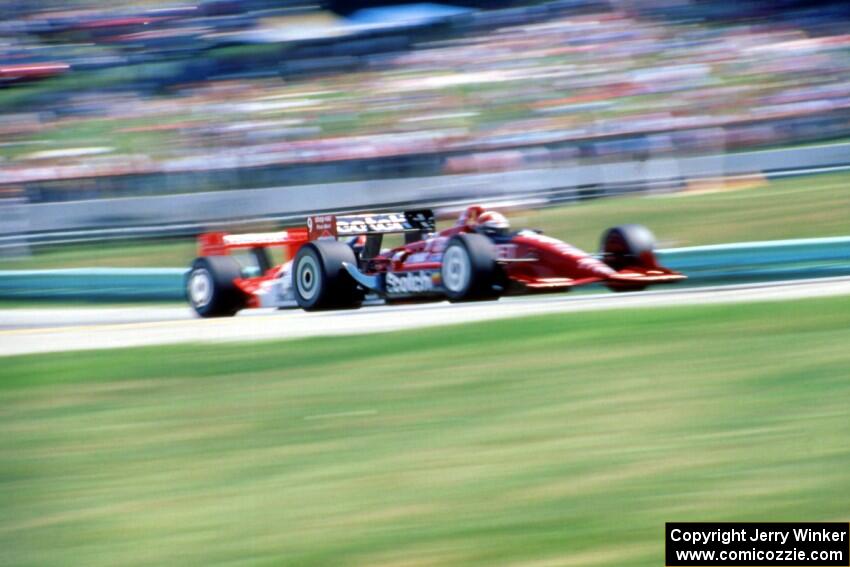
[[556, 440], [117, 254], [793, 208], [802, 207]]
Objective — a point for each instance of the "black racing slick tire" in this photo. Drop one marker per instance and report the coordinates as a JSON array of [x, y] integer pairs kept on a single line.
[[624, 246], [320, 280], [469, 270], [210, 286]]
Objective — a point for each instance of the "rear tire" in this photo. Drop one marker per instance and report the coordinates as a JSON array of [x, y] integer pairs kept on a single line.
[[469, 271], [321, 281], [210, 286]]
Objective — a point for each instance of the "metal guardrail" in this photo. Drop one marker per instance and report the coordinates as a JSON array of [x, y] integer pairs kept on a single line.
[[191, 213], [761, 261], [725, 263], [93, 284]]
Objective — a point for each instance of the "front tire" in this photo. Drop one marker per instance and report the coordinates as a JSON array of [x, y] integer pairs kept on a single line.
[[210, 286], [321, 281], [624, 246], [469, 271]]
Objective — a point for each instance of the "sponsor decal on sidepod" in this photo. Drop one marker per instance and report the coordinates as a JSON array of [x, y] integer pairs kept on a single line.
[[409, 283]]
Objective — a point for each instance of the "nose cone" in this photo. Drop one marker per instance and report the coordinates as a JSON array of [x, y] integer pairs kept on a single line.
[[566, 260], [593, 267]]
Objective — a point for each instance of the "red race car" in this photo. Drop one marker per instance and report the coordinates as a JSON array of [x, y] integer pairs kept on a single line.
[[337, 262]]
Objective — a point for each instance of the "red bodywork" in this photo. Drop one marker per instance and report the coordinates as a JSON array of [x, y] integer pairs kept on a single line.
[[225, 244], [530, 261]]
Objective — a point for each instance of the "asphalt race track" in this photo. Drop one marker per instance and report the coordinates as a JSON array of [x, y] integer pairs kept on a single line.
[[46, 329]]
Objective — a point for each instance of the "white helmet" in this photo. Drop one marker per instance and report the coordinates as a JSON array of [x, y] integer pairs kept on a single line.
[[493, 223]]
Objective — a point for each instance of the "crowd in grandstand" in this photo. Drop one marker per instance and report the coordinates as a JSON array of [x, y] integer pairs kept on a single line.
[[583, 80]]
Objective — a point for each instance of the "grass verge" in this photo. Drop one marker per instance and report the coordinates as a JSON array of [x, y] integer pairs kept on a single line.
[[563, 440]]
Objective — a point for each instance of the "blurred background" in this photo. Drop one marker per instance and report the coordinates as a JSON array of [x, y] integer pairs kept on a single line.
[[127, 128], [383, 103]]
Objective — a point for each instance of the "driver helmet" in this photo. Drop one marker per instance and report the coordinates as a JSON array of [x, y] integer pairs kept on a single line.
[[492, 223]]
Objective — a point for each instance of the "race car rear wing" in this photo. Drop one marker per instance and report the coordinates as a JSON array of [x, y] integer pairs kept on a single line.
[[222, 243], [331, 226], [412, 223]]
